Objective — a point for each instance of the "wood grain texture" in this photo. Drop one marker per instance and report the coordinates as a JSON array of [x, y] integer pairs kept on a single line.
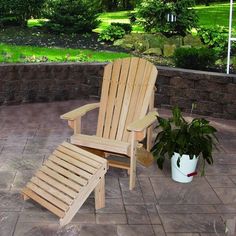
[[28, 192], [81, 111], [104, 100], [126, 98], [63, 183]]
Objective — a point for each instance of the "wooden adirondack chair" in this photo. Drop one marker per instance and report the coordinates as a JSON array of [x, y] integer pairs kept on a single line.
[[126, 98]]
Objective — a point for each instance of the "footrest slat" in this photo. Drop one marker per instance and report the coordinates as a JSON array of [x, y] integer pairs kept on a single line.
[[80, 157], [66, 180], [75, 162], [43, 202], [53, 191], [66, 173], [56, 184], [70, 167], [61, 178], [84, 153], [47, 196]]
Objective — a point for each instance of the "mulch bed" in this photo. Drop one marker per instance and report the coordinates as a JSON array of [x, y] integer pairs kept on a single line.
[[38, 37]]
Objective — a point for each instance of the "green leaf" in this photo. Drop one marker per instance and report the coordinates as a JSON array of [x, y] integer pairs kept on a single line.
[[196, 138], [178, 161], [160, 161]]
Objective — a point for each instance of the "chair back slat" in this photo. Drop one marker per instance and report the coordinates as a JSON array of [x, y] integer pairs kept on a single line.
[[126, 92], [120, 96], [115, 76], [127, 97], [133, 106], [104, 95]]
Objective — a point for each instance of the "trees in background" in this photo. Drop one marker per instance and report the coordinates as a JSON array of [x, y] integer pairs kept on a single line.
[[113, 5], [19, 11], [61, 12], [110, 5], [72, 16], [68, 16]]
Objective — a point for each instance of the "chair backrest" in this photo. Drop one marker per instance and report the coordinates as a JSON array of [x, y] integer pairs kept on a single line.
[[126, 92]]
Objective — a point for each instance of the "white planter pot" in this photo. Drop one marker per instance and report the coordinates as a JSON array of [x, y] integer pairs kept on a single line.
[[187, 167]]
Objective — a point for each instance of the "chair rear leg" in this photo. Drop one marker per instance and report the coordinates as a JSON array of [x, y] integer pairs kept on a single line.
[[133, 162]]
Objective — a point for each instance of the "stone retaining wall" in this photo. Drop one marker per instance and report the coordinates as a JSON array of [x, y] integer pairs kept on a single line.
[[213, 93]]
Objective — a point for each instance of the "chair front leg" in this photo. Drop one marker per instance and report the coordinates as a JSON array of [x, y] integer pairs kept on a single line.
[[75, 125], [133, 161], [100, 194]]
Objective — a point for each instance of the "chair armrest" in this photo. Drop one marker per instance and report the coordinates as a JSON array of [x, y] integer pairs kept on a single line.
[[74, 114], [145, 122]]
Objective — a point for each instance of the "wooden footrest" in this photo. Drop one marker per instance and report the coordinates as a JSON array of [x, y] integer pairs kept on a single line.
[[65, 181]]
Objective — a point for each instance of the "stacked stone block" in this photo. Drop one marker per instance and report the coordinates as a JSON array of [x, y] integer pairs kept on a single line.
[[214, 94]]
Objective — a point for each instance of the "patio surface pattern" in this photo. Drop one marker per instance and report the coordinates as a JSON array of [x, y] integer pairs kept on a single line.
[[157, 206]]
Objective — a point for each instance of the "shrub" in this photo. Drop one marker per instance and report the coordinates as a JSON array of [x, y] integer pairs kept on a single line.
[[132, 17], [73, 16], [215, 37], [208, 2], [126, 27], [111, 33], [194, 58], [9, 21], [154, 14], [19, 11], [4, 12], [114, 5]]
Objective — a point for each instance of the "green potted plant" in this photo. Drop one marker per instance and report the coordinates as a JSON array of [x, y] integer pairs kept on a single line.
[[184, 143]]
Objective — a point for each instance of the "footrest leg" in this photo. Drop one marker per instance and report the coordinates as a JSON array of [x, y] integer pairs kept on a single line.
[[100, 194], [25, 197]]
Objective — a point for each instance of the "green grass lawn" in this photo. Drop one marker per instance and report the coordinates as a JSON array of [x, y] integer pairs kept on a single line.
[[36, 22], [9, 53], [215, 14], [109, 17], [120, 16], [209, 16]]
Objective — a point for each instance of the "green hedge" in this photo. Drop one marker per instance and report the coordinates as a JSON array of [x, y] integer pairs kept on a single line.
[[15, 12], [194, 58], [73, 16]]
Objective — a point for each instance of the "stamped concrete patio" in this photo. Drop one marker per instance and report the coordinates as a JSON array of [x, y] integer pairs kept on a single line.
[[158, 206]]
